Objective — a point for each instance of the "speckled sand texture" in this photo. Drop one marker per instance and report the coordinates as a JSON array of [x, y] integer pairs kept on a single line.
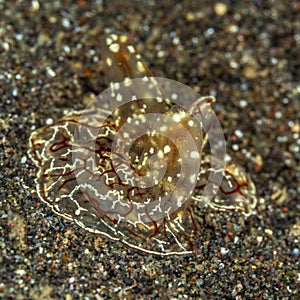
[[245, 53]]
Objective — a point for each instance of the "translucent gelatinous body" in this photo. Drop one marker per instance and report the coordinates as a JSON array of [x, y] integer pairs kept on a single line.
[[139, 189]]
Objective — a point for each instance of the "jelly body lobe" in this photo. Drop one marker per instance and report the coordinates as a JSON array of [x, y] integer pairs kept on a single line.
[[130, 165]]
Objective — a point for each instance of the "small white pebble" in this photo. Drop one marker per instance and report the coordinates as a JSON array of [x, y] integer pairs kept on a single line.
[[296, 251], [50, 72], [67, 49], [20, 272], [160, 54], [238, 133], [268, 231], [233, 64], [35, 5], [224, 250], [66, 23], [227, 157], [210, 31], [235, 147], [14, 92], [5, 45], [285, 100], [19, 36], [220, 8], [243, 103], [71, 279], [23, 160]]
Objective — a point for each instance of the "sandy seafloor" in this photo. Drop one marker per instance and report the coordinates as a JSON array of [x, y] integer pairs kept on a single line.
[[247, 54]]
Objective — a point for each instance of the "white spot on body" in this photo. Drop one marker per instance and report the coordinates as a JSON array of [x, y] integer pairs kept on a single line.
[[195, 155], [167, 149], [174, 96], [145, 159], [114, 48], [119, 98], [140, 66], [193, 178], [123, 38], [114, 37], [191, 123], [176, 118], [180, 198], [109, 62], [127, 82], [160, 154], [164, 128], [109, 40]]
